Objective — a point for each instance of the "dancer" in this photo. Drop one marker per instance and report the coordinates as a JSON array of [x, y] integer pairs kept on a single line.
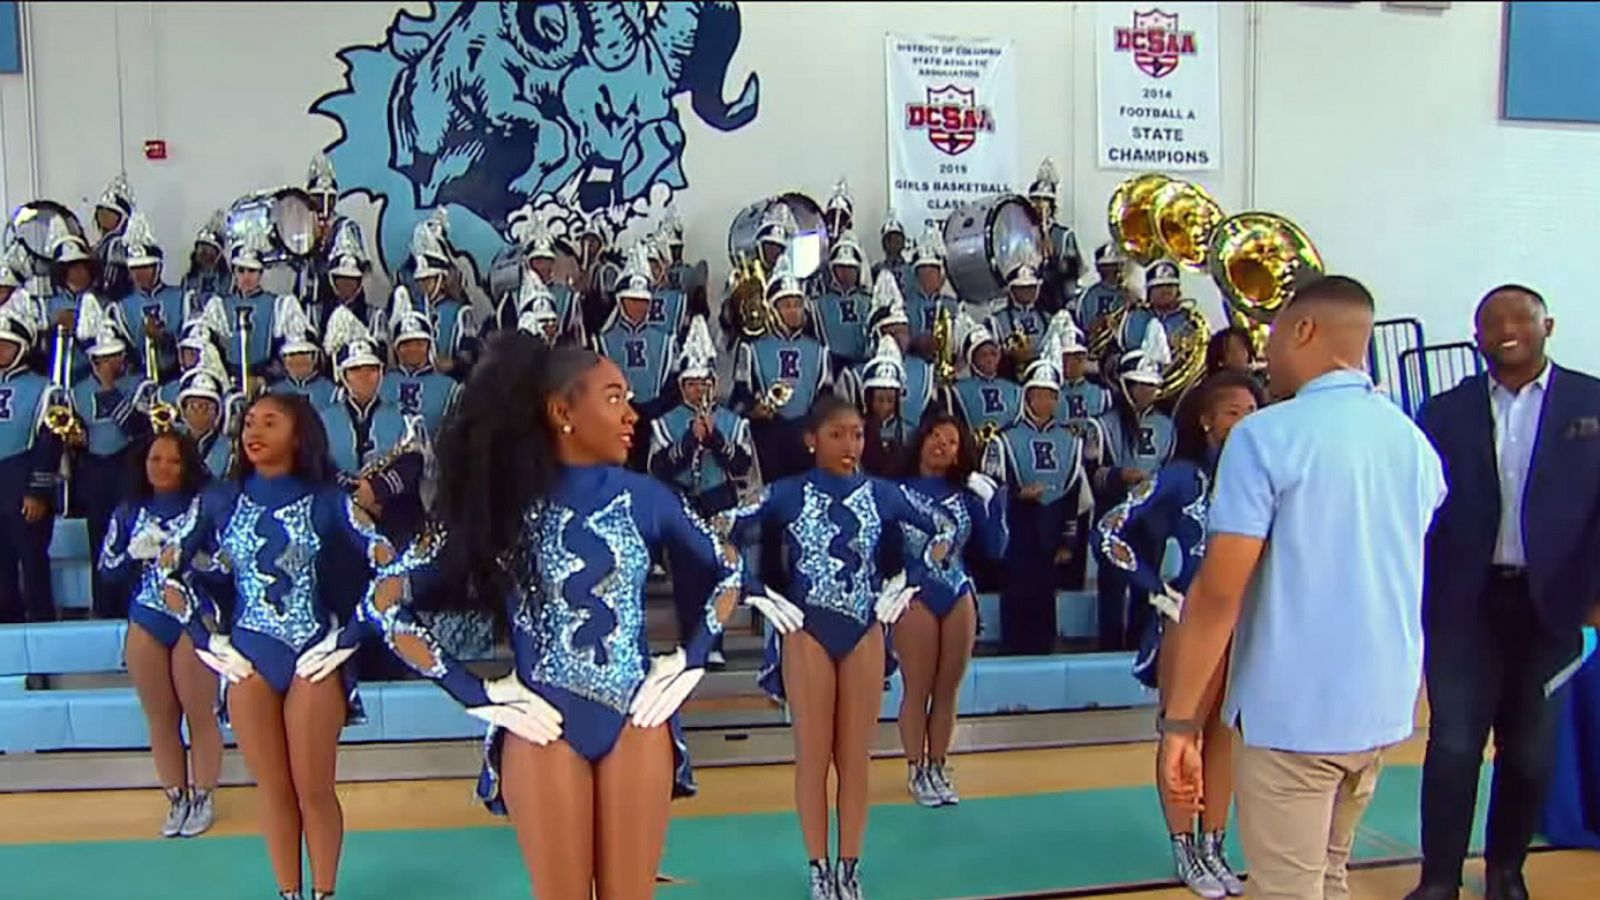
[[933, 640], [552, 538], [1172, 506], [831, 669], [172, 683], [255, 561]]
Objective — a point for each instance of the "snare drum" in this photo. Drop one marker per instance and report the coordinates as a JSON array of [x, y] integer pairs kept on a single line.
[[985, 241], [747, 224]]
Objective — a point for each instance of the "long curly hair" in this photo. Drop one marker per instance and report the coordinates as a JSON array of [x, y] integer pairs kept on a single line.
[[194, 468], [966, 461], [497, 457]]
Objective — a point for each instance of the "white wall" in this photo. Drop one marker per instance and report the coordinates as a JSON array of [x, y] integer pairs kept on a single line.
[[1375, 128]]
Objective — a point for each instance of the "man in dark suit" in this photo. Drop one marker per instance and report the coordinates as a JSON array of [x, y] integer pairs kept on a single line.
[[1512, 573]]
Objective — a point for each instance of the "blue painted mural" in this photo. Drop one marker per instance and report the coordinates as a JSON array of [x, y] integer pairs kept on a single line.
[[566, 107]]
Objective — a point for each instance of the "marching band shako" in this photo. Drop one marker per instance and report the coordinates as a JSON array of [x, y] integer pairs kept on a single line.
[[287, 214], [987, 240]]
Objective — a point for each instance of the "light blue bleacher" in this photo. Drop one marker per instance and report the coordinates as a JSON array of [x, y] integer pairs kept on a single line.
[[70, 563]]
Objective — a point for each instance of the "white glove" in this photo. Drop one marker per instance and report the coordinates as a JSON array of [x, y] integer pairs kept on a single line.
[[146, 543], [982, 485], [1169, 603], [785, 617], [666, 687], [894, 599], [517, 709], [220, 657], [321, 659]]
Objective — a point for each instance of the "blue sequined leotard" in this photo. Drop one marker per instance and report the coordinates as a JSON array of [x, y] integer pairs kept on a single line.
[[972, 518], [142, 579], [832, 526], [578, 616], [256, 560]]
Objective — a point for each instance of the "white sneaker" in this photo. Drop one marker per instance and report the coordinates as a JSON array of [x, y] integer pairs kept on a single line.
[[716, 660], [921, 786], [1192, 872], [822, 887], [1213, 855], [177, 812], [847, 880], [202, 812], [940, 781]]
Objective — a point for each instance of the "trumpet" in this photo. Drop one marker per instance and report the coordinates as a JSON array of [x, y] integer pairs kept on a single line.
[[59, 417], [778, 396], [1018, 343], [986, 434], [162, 415]]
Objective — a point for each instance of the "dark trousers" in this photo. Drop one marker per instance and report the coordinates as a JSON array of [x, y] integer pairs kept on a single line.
[[100, 481], [1028, 593], [24, 564], [1490, 669]]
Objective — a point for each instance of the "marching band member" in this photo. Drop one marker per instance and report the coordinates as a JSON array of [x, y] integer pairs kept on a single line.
[[262, 559], [1138, 441], [889, 318], [414, 387], [1109, 295], [1163, 303], [248, 305], [347, 268], [12, 275], [705, 452], [361, 427], [933, 640], [200, 341], [201, 401], [892, 237], [584, 749], [1063, 264], [776, 230], [1019, 324], [106, 401], [29, 457], [843, 307], [208, 270], [1081, 399], [982, 398], [1040, 462], [300, 354], [839, 214], [777, 376], [433, 275], [151, 308], [1132, 539], [172, 683], [826, 656], [73, 273], [111, 214], [595, 262], [538, 316], [681, 276], [539, 253], [331, 233], [883, 384], [668, 305], [929, 293], [643, 349]]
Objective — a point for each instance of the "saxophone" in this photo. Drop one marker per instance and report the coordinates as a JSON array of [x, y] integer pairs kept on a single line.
[[697, 462]]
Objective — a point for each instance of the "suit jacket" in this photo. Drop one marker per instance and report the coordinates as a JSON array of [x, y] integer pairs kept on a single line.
[[1560, 506]]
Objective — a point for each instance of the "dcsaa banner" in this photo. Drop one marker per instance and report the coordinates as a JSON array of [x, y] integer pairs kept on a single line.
[[952, 124], [1156, 68]]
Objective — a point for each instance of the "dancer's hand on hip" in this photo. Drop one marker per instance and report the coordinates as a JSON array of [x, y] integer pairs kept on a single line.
[[894, 599], [324, 657], [220, 657], [666, 687], [786, 618], [517, 709]]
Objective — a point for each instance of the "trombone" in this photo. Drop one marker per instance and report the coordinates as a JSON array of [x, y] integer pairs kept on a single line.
[[162, 415], [59, 416]]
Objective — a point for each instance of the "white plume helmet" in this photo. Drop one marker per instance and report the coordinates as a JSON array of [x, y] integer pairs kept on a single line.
[[846, 251], [349, 257], [140, 240], [99, 329], [891, 225], [212, 316], [782, 282], [634, 282], [91, 316], [886, 368], [537, 242], [1147, 364], [930, 248], [841, 197], [698, 358], [65, 247], [405, 321], [1064, 333], [971, 334], [348, 342], [430, 247], [203, 381], [533, 289], [537, 316], [777, 226], [293, 326], [250, 245], [211, 231], [888, 304], [319, 176], [17, 330], [1045, 181], [118, 195]]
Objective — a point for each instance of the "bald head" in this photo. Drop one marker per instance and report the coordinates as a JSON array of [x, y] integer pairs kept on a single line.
[[1326, 325]]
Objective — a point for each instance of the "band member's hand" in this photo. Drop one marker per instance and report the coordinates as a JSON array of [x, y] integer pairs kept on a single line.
[[1063, 555], [77, 440], [517, 709], [445, 364], [762, 412], [68, 319], [1183, 782], [220, 657], [324, 657], [786, 618], [894, 599], [1131, 477], [666, 687], [366, 498], [702, 429], [34, 509], [154, 327], [1031, 492]]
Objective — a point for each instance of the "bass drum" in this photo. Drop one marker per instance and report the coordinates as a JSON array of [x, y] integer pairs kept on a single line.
[[30, 226], [747, 224], [286, 214], [985, 241]]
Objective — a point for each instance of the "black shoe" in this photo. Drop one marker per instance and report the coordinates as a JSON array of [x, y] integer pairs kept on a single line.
[[1435, 892], [1504, 884]]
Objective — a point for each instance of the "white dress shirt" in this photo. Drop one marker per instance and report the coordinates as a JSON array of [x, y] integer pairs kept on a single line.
[[1516, 426]]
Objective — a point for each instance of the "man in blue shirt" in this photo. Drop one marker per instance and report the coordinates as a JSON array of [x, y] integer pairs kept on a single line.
[[1327, 646]]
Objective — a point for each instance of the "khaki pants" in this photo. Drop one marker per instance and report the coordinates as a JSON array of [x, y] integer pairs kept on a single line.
[[1297, 818]]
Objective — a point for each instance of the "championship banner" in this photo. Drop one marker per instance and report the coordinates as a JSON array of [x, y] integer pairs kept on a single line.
[[952, 125], [1159, 91]]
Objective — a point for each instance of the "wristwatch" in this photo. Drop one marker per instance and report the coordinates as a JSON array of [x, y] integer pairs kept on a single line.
[[1166, 726]]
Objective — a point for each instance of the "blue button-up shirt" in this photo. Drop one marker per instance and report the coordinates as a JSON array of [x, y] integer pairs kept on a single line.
[[1327, 656], [1516, 425]]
